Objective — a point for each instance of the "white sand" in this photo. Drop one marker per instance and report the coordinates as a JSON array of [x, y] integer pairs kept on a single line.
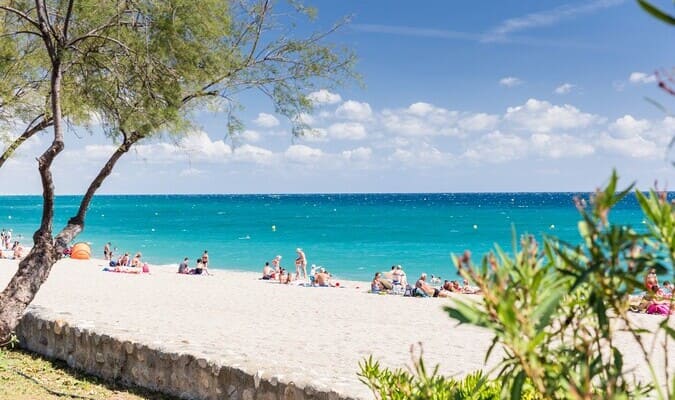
[[301, 334]]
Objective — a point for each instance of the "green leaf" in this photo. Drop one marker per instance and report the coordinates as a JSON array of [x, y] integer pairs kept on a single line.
[[517, 387], [656, 13], [584, 229], [547, 306]]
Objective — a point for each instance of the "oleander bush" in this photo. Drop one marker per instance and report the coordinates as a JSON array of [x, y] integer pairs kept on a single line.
[[554, 311], [420, 384]]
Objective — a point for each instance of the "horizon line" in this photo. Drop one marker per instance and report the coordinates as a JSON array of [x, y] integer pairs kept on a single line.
[[309, 193]]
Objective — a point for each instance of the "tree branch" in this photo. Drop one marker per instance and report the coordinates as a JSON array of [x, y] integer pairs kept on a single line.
[[66, 23], [22, 15], [27, 134], [75, 224], [108, 38]]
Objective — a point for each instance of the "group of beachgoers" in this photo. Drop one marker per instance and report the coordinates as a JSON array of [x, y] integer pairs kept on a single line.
[[395, 282], [124, 263], [8, 248], [656, 299], [318, 276], [202, 267]]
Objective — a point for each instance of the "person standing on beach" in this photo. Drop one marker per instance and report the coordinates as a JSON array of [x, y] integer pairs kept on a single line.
[[106, 252], [300, 264], [205, 259]]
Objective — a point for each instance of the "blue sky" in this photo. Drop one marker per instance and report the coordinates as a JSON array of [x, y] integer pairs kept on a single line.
[[457, 96]]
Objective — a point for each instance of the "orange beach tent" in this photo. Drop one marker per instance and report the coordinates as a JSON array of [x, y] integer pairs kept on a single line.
[[80, 251]]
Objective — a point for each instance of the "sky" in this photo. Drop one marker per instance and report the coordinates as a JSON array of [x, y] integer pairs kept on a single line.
[[498, 96]]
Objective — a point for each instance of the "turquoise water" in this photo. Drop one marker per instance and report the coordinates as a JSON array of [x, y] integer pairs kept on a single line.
[[352, 235]]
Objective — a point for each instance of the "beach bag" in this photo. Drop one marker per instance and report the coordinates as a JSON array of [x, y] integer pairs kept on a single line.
[[408, 291], [146, 268]]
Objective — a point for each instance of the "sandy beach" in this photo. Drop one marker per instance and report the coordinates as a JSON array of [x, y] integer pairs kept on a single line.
[[304, 335]]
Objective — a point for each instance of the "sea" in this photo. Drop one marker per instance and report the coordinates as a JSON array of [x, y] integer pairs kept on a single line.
[[351, 235]]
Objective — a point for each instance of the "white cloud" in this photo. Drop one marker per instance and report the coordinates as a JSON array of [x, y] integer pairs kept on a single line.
[[421, 155], [479, 122], [252, 154], [354, 110], [542, 116], [635, 146], [304, 118], [265, 120], [549, 17], [510, 81], [559, 146], [421, 119], [641, 78], [497, 147], [358, 154], [198, 145], [249, 136], [564, 88], [323, 96], [627, 126], [315, 135], [303, 154], [421, 109], [347, 131]]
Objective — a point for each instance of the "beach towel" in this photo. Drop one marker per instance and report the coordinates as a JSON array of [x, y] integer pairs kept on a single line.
[[659, 309]]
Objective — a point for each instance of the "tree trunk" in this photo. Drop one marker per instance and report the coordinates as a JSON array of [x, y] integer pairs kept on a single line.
[[21, 290]]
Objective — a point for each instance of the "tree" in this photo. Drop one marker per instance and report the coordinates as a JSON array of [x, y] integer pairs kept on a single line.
[[142, 67]]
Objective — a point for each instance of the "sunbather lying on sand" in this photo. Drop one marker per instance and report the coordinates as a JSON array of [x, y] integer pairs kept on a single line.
[[424, 289]]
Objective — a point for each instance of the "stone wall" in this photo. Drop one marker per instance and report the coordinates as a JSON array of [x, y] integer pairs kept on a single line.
[[166, 370]]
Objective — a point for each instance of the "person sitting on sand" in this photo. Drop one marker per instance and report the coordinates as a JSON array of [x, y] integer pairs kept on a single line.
[[395, 276], [268, 272], [657, 304], [468, 289], [651, 279], [322, 278], [124, 260], [184, 267], [18, 251], [387, 278], [276, 264], [136, 262], [285, 277], [400, 276], [376, 285], [201, 268]]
